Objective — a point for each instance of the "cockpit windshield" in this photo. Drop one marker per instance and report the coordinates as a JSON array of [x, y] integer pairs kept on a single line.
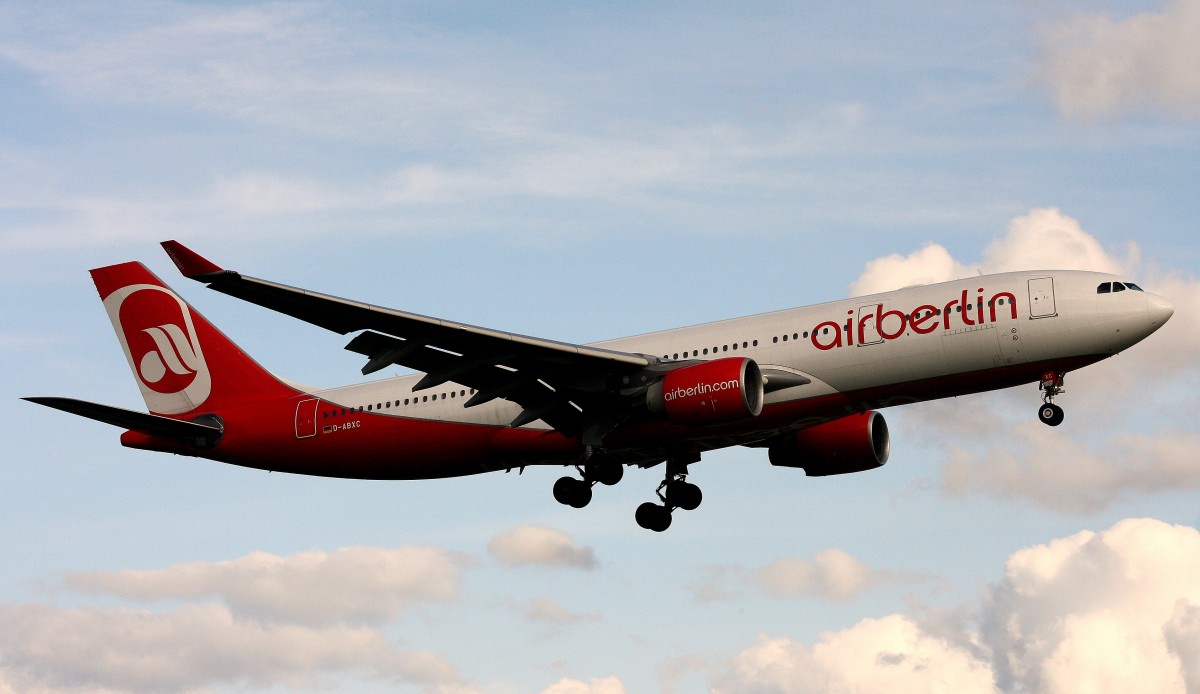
[[1111, 287]]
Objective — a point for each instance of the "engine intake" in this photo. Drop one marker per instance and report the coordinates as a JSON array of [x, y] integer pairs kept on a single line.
[[715, 392], [855, 443]]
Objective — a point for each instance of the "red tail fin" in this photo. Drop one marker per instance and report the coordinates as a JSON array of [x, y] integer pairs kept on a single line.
[[182, 363]]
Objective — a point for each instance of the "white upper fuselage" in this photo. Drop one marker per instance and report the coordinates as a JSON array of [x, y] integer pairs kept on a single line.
[[857, 347]]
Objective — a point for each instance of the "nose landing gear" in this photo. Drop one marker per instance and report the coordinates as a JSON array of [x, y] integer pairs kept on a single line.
[[1051, 385]]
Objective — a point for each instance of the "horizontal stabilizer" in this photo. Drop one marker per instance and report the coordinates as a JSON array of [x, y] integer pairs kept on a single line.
[[193, 433]]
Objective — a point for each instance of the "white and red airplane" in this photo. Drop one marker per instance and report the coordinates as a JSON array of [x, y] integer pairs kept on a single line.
[[802, 383]]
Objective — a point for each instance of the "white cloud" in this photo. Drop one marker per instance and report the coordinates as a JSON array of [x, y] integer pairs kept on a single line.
[[891, 654], [1182, 634], [1057, 472], [1092, 612], [1043, 239], [1098, 67], [832, 574], [932, 264], [196, 646], [550, 612], [603, 685], [351, 584], [1113, 611], [536, 545]]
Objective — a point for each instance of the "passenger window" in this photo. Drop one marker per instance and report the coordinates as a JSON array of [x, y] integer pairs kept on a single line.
[[785, 338], [1104, 288], [756, 343]]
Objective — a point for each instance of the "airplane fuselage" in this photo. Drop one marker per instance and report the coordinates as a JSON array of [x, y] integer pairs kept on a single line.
[[899, 347]]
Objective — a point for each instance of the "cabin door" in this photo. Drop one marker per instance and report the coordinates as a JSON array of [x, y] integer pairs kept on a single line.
[[1041, 298], [306, 419]]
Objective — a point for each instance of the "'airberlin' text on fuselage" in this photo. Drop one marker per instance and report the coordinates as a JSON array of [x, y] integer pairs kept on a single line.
[[881, 324], [702, 389]]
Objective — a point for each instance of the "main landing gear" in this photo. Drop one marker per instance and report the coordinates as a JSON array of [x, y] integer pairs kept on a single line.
[[674, 492], [577, 492], [1051, 385]]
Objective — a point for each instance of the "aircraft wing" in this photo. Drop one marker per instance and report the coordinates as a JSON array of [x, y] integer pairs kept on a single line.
[[574, 388]]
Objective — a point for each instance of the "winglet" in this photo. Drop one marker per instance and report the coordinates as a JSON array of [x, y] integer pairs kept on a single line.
[[191, 264]]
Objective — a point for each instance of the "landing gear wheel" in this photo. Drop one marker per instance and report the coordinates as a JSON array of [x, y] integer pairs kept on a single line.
[[652, 516], [605, 473], [572, 492], [1051, 414], [684, 495]]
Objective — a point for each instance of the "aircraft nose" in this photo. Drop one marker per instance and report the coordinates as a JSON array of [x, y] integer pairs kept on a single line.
[[1159, 309]]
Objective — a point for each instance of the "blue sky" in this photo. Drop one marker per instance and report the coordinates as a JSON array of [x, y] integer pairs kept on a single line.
[[582, 172]]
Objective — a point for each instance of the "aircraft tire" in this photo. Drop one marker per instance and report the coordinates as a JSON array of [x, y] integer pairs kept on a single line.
[[684, 495], [572, 492], [607, 474], [1051, 414], [652, 516]]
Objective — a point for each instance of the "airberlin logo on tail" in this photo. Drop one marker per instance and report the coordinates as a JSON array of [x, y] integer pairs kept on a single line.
[[173, 351], [156, 331]]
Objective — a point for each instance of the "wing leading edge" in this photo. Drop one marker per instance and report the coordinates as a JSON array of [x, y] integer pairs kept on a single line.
[[578, 390]]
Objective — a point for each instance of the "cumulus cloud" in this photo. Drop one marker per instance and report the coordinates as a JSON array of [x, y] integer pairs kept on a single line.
[[603, 685], [1092, 460], [1057, 472], [549, 612], [291, 621], [1109, 611], [196, 646], [1100, 67], [537, 545], [891, 654], [351, 584], [1117, 610], [1043, 239], [832, 573]]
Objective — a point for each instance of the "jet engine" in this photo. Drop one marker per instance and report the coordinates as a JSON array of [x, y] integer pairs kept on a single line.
[[715, 392], [854, 443]]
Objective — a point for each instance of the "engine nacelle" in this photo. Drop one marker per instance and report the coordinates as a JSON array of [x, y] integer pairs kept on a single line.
[[854, 443], [715, 392]]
